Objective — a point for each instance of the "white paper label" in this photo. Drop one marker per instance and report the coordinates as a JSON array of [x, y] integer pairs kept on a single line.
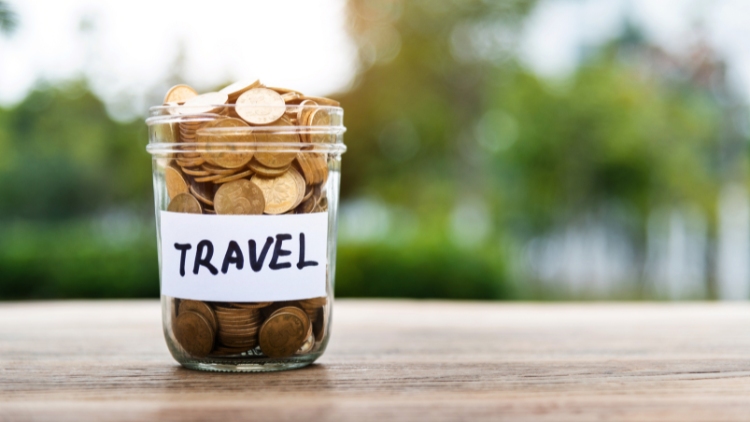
[[243, 258]]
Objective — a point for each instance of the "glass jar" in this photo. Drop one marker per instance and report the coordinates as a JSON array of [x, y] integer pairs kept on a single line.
[[246, 229]]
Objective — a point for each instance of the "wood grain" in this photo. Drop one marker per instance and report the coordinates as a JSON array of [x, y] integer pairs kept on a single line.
[[392, 360]]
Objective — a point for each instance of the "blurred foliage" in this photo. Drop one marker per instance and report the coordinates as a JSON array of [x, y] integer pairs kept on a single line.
[[8, 19], [62, 157], [440, 116]]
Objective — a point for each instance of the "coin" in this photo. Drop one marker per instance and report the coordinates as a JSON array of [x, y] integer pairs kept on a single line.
[[211, 102], [309, 343], [322, 100], [179, 94], [175, 182], [290, 97], [239, 197], [194, 334], [185, 203], [319, 117], [195, 171], [260, 106], [236, 89], [295, 310], [269, 155], [219, 131], [301, 187], [219, 170], [252, 305], [280, 193], [264, 171], [234, 177], [201, 308], [210, 178], [202, 194], [283, 333]]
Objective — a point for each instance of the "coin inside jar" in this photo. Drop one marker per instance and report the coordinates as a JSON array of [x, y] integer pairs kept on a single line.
[[194, 333], [260, 106], [230, 153], [239, 197], [185, 203], [283, 333], [269, 155], [281, 193]]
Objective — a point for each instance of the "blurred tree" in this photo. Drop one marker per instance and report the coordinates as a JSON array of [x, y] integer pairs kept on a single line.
[[8, 20], [442, 117], [62, 157]]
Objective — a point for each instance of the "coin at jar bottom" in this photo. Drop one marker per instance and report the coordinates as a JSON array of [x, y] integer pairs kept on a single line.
[[194, 333], [201, 308], [283, 333]]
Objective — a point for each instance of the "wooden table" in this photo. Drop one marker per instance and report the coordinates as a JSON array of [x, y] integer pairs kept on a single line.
[[392, 360]]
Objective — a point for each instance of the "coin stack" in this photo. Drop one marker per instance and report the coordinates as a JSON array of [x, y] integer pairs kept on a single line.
[[219, 171], [224, 329]]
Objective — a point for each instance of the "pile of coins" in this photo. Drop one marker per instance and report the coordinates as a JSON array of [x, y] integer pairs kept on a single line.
[[274, 330], [220, 169]]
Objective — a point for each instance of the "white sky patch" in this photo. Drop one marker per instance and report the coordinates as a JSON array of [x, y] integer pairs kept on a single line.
[[557, 31], [131, 47]]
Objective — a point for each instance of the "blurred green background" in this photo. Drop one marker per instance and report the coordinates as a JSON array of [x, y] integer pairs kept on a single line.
[[469, 174]]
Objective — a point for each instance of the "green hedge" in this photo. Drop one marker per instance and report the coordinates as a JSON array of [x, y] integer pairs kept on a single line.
[[80, 261]]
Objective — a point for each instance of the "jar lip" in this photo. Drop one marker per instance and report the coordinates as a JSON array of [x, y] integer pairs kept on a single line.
[[198, 111], [164, 148]]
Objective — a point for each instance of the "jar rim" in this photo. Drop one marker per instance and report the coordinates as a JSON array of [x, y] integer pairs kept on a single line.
[[165, 148]]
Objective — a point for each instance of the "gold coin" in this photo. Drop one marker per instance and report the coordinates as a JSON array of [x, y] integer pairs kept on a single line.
[[194, 334], [319, 117], [185, 203], [179, 94], [264, 171], [238, 88], [322, 205], [252, 305], [202, 194], [314, 302], [283, 91], [211, 102], [307, 346], [314, 167], [210, 178], [280, 193], [322, 100], [283, 333], [295, 310], [175, 182], [219, 170], [260, 106], [195, 171], [290, 97], [239, 197], [201, 308], [219, 131], [301, 187], [269, 156], [234, 177], [307, 205]]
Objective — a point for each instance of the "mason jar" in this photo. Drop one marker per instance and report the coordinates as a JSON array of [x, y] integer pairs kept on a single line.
[[246, 229]]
